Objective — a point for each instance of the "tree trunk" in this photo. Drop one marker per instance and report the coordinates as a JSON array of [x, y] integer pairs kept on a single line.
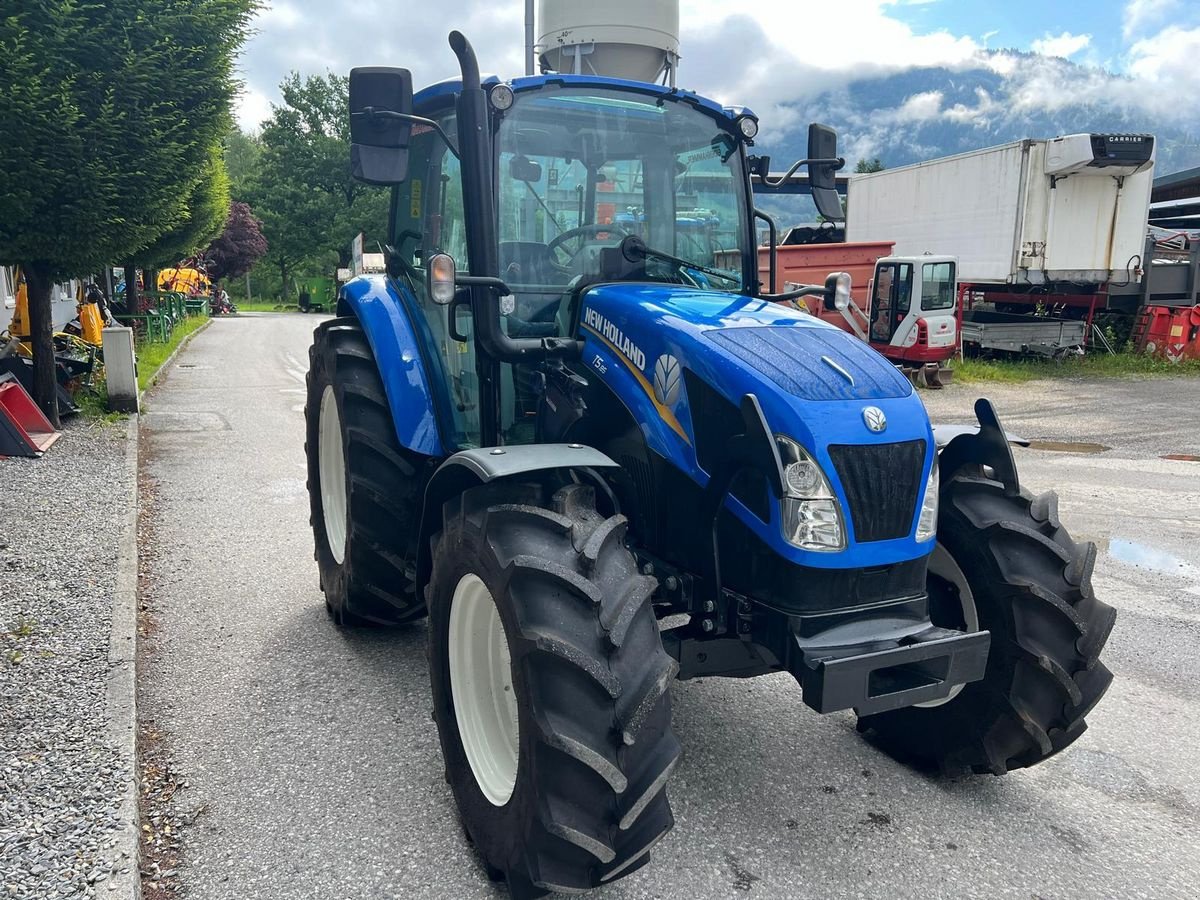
[[283, 285], [133, 304], [41, 337], [151, 276], [249, 299]]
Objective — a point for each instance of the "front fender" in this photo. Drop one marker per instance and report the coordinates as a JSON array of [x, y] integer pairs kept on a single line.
[[483, 465], [403, 366], [987, 445]]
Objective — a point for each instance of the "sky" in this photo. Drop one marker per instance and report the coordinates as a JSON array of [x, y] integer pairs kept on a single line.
[[771, 54]]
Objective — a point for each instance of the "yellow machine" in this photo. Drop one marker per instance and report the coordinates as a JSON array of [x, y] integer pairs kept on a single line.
[[19, 327], [188, 281], [90, 321]]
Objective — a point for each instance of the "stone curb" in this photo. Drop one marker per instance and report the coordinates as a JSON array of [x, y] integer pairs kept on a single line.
[[125, 881]]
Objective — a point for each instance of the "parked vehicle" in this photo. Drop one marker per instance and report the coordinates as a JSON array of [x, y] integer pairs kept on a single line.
[[633, 465], [1045, 226], [221, 305]]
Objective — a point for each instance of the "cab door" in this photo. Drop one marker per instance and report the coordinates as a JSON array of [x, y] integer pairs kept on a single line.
[[939, 301], [891, 299]]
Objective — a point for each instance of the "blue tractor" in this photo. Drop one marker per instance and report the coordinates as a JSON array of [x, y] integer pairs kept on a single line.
[[600, 460]]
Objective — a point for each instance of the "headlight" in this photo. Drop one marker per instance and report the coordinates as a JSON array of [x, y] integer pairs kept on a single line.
[[927, 523], [810, 511], [748, 127]]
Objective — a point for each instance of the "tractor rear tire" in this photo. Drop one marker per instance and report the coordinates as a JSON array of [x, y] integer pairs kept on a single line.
[[365, 512], [570, 788], [1031, 588]]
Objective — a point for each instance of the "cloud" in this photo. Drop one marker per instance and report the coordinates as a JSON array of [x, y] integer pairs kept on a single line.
[[1140, 13], [1065, 45], [1168, 61], [771, 57], [252, 108]]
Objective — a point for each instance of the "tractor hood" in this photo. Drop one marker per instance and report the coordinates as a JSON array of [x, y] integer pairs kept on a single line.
[[675, 356]]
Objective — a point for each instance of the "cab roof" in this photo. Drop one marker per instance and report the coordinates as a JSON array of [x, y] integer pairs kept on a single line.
[[442, 93]]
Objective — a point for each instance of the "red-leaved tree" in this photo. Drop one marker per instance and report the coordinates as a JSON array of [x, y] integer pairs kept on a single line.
[[238, 247]]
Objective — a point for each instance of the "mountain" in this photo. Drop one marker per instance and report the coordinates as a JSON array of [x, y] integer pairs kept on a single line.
[[925, 113]]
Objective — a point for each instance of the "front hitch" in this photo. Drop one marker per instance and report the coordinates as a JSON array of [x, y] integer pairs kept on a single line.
[[877, 676]]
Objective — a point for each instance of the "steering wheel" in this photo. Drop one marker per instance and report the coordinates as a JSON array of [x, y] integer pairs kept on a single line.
[[581, 232]]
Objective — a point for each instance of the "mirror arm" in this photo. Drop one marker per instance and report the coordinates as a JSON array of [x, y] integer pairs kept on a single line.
[[806, 290], [372, 112], [483, 281], [836, 162]]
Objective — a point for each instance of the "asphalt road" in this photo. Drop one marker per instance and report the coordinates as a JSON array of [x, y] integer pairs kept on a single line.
[[312, 764]]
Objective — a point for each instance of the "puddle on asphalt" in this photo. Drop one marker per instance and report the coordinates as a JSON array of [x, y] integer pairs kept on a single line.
[[1068, 446], [1144, 557]]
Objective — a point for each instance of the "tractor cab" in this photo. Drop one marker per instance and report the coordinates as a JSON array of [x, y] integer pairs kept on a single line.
[[913, 315], [594, 180]]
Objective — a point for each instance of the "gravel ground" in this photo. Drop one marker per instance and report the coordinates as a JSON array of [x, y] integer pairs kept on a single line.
[[1136, 418], [61, 775]]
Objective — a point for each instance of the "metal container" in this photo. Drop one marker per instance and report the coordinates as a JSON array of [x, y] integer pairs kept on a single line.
[[634, 39], [1011, 215]]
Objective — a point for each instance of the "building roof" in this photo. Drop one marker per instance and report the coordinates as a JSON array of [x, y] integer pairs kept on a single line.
[[1183, 185]]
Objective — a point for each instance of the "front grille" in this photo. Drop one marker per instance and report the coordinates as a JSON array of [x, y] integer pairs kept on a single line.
[[882, 483]]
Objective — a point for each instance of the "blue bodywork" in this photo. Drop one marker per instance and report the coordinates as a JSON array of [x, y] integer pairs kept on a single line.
[[741, 345], [442, 94], [391, 321]]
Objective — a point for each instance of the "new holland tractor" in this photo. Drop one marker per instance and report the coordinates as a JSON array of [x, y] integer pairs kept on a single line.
[[600, 460]]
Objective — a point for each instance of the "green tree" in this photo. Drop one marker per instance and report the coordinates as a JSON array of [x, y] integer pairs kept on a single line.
[[869, 165], [243, 153], [302, 191], [109, 111], [207, 208]]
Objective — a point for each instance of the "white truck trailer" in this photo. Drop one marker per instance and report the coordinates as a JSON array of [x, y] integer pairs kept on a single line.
[[1034, 223]]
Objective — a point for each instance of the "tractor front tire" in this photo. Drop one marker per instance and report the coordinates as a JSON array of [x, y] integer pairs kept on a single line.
[[550, 688], [1029, 584], [363, 487]]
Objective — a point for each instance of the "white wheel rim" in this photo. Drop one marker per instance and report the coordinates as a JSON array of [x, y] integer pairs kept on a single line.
[[481, 683], [942, 564], [331, 465]]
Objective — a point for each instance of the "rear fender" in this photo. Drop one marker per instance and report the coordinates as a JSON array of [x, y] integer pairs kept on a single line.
[[386, 320], [470, 468]]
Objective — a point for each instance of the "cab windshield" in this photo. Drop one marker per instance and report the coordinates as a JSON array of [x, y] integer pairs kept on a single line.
[[581, 168]]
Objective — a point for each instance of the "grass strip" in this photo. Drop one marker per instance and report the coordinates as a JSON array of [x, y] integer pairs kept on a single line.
[[1096, 365]]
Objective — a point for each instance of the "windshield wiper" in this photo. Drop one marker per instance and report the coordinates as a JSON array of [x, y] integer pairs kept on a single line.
[[634, 249], [542, 204]]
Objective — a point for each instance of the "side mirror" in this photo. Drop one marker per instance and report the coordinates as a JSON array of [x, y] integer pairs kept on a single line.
[[823, 164], [381, 100], [837, 291]]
